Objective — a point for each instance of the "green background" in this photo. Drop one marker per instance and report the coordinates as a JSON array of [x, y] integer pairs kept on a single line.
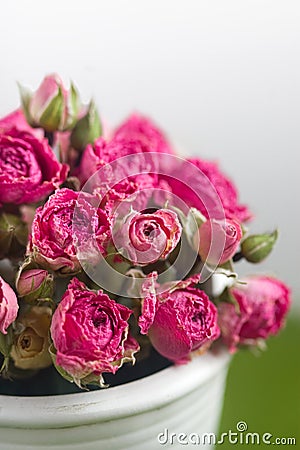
[[264, 390]]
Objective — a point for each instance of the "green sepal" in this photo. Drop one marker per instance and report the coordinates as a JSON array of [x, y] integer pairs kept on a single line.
[[87, 129], [51, 119], [255, 248]]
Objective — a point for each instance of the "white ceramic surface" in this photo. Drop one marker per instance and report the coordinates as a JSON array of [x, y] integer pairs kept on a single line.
[[184, 399]]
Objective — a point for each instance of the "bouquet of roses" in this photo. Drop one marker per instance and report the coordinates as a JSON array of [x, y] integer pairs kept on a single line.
[[111, 244]]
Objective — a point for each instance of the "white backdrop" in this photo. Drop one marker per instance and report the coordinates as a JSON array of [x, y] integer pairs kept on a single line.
[[222, 78]]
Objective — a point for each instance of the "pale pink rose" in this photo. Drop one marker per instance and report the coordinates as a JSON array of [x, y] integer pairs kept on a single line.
[[217, 241], [90, 332], [29, 170], [140, 128], [260, 311], [8, 306], [179, 320], [51, 106], [55, 237], [203, 198], [146, 238], [34, 283]]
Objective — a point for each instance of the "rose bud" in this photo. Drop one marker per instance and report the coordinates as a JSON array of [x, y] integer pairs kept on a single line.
[[13, 236], [258, 311], [145, 238], [257, 247], [8, 306], [23, 163], [30, 349], [179, 320], [34, 284], [55, 236], [52, 106], [90, 333], [217, 241], [87, 129]]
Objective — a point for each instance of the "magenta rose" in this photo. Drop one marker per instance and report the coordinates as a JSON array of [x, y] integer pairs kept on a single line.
[[217, 241], [260, 311], [145, 238], [29, 170], [17, 120], [8, 306], [179, 320], [56, 240], [184, 180], [90, 333], [101, 152], [131, 180], [140, 128]]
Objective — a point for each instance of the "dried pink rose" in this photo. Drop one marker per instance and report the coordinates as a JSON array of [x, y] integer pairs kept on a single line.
[[130, 179], [8, 306], [17, 120], [183, 186], [217, 241], [101, 153], [54, 235], [260, 311], [29, 170], [146, 238], [140, 128], [90, 333], [179, 320]]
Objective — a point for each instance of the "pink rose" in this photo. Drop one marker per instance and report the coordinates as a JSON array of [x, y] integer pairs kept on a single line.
[[179, 320], [183, 187], [90, 333], [29, 170], [145, 238], [54, 235], [52, 106], [140, 128], [260, 311], [217, 241], [8, 306], [17, 120], [131, 179], [101, 152]]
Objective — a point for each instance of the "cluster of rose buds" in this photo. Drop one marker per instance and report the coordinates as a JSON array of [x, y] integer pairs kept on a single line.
[[110, 239]]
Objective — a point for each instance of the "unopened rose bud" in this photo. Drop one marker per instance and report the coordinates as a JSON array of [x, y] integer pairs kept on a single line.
[[34, 284], [217, 241], [31, 341], [87, 129], [257, 247], [52, 106], [13, 236]]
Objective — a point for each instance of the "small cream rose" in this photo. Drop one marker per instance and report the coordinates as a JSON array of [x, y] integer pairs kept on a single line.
[[31, 343]]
